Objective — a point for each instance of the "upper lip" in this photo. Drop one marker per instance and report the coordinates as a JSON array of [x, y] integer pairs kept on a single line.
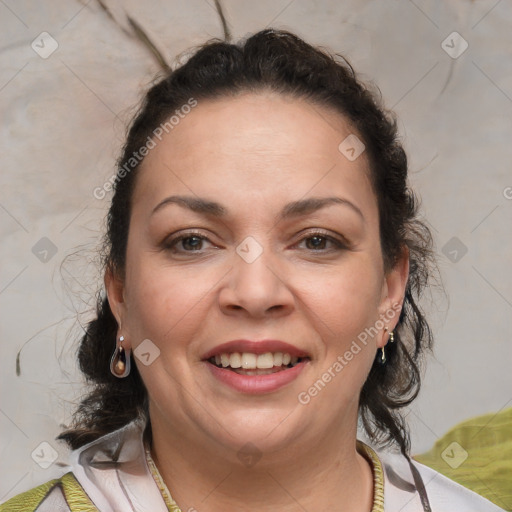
[[254, 347]]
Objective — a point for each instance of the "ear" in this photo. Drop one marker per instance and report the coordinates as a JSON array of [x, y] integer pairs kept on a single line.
[[393, 293], [114, 286]]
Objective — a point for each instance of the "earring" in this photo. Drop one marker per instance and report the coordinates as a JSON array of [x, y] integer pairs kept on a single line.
[[120, 362], [382, 359]]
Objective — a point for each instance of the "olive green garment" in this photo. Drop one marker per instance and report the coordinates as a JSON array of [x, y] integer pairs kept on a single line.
[[477, 454]]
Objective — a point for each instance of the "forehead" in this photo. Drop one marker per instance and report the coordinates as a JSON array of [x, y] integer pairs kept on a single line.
[[255, 146]]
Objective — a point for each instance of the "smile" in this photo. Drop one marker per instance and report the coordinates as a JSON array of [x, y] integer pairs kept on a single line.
[[248, 363], [255, 367]]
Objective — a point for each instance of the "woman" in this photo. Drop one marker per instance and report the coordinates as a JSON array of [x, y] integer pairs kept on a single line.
[[263, 265]]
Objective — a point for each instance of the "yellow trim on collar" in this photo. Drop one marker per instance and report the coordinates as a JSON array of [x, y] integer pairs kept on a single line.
[[172, 506], [75, 495], [378, 475]]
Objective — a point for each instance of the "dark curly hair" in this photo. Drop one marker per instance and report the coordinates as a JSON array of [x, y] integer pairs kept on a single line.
[[278, 61]]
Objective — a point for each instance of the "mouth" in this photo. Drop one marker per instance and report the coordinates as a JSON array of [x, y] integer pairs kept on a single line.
[[256, 367], [247, 363]]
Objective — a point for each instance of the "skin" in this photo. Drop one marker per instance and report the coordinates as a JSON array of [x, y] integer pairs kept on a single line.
[[254, 154]]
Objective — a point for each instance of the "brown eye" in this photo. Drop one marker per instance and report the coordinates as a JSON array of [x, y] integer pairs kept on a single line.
[[316, 242], [192, 242], [320, 242], [186, 243]]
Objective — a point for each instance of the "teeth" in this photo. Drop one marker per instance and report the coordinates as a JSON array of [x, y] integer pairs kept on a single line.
[[235, 360], [265, 361], [249, 361]]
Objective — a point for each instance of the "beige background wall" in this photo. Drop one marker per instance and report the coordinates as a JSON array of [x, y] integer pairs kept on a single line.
[[63, 120]]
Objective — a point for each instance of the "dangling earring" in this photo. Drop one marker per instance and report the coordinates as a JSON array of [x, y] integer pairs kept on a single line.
[[120, 362], [382, 359]]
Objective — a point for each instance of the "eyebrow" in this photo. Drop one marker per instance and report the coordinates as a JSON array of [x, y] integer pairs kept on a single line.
[[293, 209]]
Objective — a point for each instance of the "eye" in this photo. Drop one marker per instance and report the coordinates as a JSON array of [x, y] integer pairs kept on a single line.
[[318, 242], [193, 242], [190, 242]]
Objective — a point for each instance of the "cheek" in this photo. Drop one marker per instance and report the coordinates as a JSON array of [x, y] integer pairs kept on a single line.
[[345, 308], [346, 299], [164, 302]]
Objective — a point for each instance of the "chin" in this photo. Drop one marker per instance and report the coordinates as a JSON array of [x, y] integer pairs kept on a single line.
[[264, 429]]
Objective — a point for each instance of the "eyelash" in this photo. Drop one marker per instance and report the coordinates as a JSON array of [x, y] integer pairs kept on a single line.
[[339, 245]]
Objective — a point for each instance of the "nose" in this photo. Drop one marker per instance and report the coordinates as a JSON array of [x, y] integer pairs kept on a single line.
[[257, 289]]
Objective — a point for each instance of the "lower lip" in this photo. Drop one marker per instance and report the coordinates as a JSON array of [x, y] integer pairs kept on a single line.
[[256, 384]]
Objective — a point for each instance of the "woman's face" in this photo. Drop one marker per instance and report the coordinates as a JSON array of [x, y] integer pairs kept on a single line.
[[249, 223]]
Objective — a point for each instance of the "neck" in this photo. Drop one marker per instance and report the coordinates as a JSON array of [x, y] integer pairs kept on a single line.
[[327, 475]]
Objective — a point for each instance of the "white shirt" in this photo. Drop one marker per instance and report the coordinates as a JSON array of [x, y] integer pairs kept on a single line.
[[114, 473]]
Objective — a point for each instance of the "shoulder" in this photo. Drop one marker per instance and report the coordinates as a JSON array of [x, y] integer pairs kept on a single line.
[[401, 489], [64, 494]]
